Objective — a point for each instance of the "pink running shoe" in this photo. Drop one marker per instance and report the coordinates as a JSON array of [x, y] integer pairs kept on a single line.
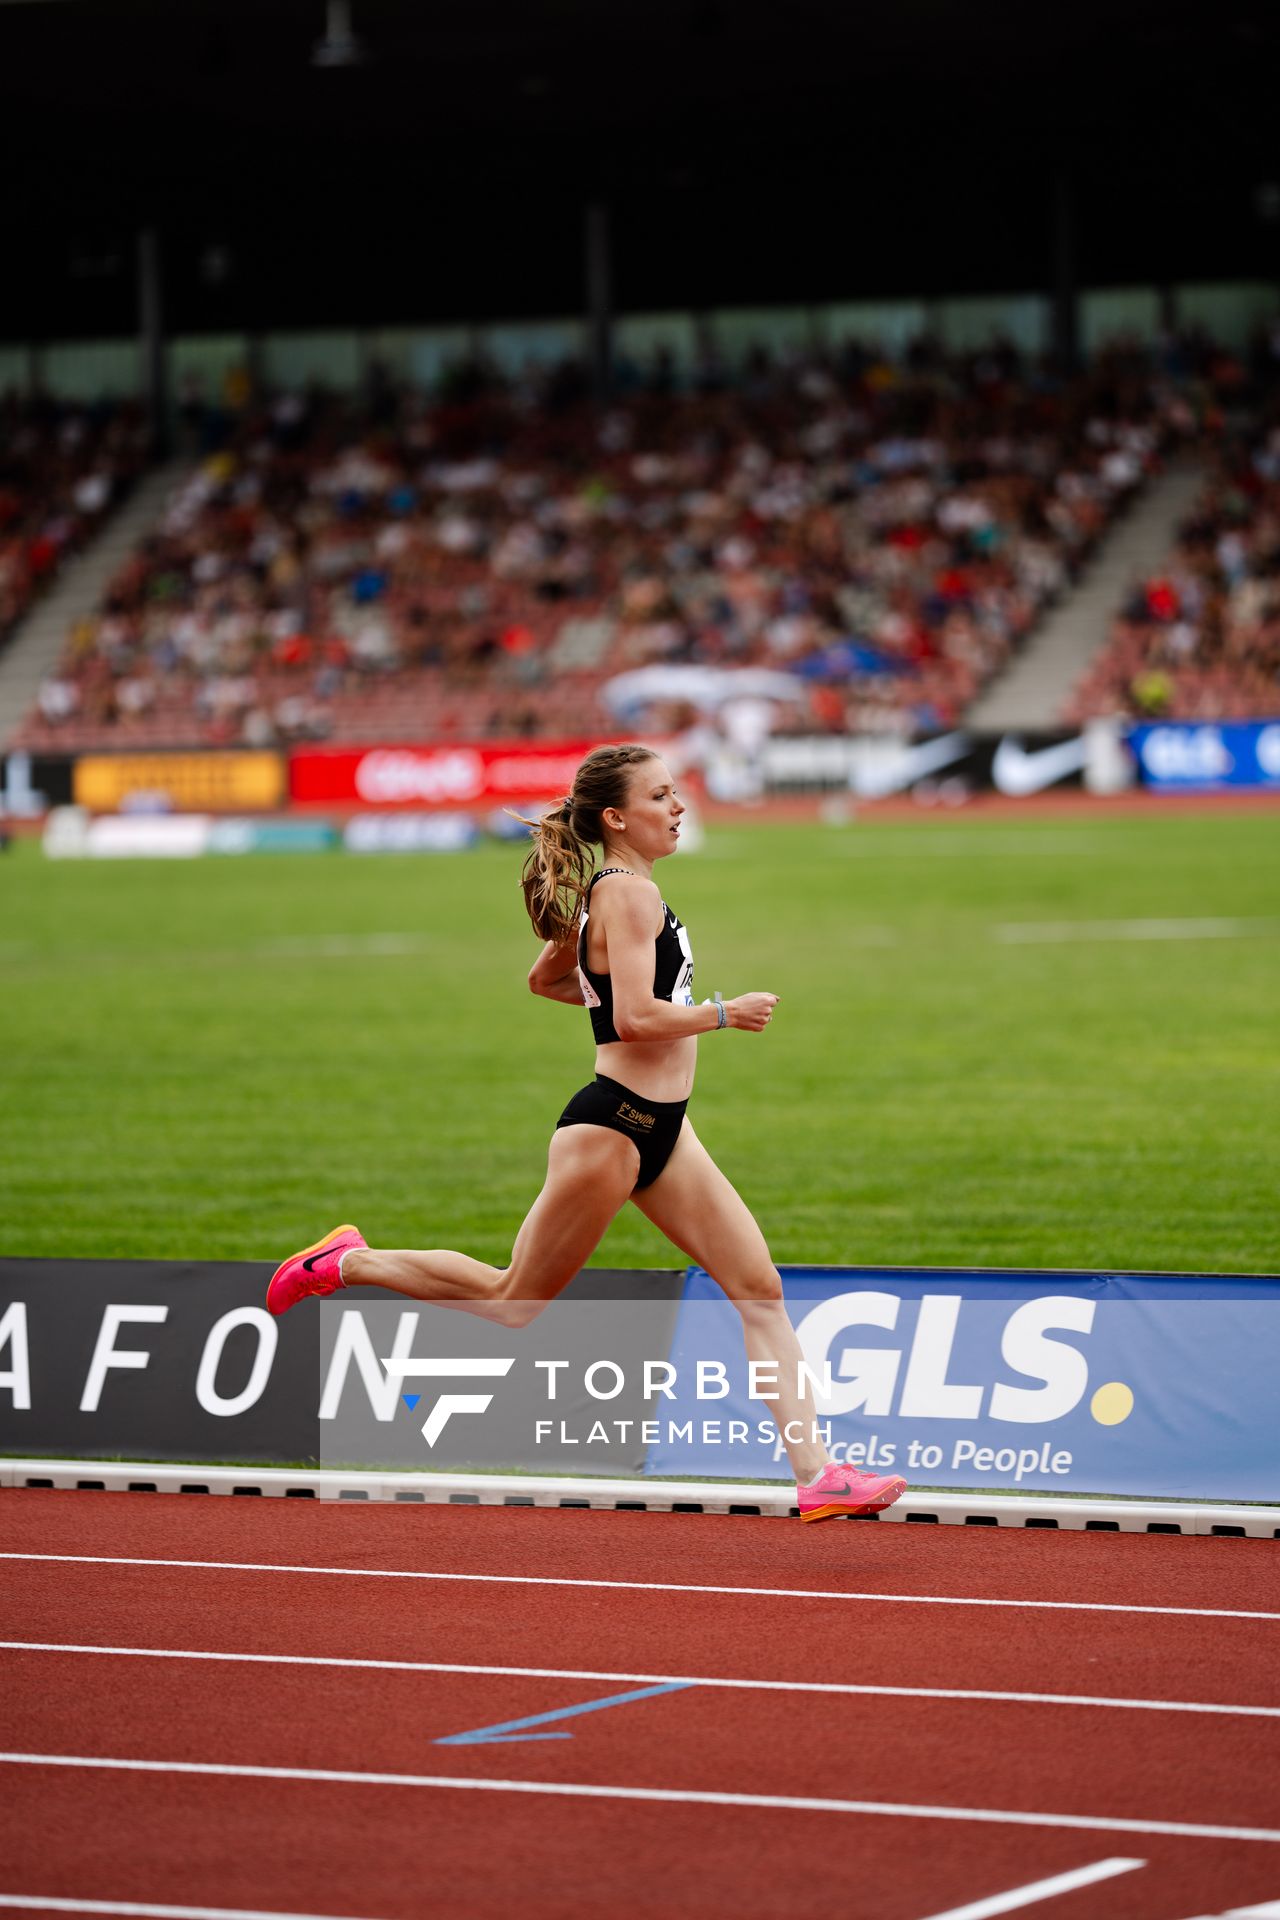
[[845, 1490], [314, 1270]]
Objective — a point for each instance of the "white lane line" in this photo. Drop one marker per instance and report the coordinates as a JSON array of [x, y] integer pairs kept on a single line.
[[1038, 1890], [648, 1679], [1034, 932], [49, 1903], [639, 1586], [675, 1796]]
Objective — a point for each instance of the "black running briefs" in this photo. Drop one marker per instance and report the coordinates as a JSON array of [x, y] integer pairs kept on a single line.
[[654, 1125]]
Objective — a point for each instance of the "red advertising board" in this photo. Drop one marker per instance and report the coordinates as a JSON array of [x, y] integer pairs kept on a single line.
[[441, 776]]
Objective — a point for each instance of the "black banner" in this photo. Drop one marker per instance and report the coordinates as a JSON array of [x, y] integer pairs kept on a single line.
[[32, 783], [948, 767], [159, 1360], [153, 1360]]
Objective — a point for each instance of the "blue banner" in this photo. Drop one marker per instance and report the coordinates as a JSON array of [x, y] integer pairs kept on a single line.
[[1153, 1384], [1199, 756]]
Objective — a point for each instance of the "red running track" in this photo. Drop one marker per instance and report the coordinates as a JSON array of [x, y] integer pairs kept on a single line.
[[560, 1826]]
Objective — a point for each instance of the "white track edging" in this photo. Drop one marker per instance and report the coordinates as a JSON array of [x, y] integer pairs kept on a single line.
[[1070, 1513]]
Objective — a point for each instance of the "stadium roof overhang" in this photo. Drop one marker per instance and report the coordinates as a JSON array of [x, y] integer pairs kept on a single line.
[[747, 151]]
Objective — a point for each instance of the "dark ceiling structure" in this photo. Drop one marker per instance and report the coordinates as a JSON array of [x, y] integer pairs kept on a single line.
[[746, 151]]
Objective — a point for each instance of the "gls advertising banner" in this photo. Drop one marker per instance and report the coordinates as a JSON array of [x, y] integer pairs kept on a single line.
[[1098, 1383], [1202, 756]]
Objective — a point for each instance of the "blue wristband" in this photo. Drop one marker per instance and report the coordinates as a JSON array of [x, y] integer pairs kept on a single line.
[[722, 1012]]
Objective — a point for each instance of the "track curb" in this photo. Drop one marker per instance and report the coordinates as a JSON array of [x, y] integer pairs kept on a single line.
[[1066, 1512]]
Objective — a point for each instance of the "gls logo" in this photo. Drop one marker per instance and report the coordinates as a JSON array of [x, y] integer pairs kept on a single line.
[[448, 1404], [871, 1373]]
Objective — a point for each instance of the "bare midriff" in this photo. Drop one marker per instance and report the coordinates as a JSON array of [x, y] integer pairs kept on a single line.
[[659, 1069]]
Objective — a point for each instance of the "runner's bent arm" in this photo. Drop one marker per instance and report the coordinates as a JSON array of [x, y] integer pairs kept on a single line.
[[554, 974], [631, 917]]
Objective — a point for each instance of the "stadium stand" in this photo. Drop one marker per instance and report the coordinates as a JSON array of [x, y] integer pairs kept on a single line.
[[888, 532], [62, 471], [1200, 639]]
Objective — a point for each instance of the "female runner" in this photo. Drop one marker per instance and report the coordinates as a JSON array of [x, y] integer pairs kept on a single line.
[[613, 943]]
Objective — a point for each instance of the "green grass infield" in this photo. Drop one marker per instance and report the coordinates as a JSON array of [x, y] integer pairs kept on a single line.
[[1041, 1044]]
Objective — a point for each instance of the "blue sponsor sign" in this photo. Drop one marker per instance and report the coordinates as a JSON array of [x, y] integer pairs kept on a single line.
[[1192, 756], [1154, 1384]]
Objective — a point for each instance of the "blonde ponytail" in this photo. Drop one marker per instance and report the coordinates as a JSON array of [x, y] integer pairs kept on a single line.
[[556, 875], [557, 872]]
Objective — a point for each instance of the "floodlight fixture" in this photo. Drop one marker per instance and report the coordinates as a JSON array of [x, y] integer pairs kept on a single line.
[[339, 46]]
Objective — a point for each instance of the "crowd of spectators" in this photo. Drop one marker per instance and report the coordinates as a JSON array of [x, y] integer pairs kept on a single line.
[[62, 469], [1200, 640], [482, 562]]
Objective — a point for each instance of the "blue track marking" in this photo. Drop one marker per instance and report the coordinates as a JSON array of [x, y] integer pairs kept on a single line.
[[511, 1730]]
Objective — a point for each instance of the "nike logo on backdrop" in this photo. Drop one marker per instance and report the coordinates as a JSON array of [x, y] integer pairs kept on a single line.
[[1016, 772], [893, 771]]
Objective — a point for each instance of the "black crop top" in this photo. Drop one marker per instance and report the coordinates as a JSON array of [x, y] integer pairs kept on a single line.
[[672, 971]]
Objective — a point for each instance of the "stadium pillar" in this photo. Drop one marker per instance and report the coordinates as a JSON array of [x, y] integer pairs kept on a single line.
[[599, 300], [155, 384], [1066, 292]]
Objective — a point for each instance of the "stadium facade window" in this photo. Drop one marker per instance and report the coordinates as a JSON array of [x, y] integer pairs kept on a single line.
[[891, 324], [88, 370], [421, 355], [295, 359], [1109, 312], [92, 369], [737, 331], [514, 346], [15, 370], [207, 359], [640, 337], [1231, 312], [968, 325]]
